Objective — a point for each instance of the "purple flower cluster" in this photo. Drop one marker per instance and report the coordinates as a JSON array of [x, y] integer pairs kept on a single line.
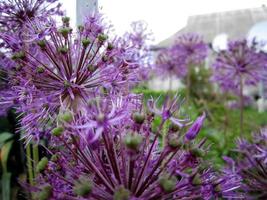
[[14, 13], [59, 68], [188, 49], [251, 165], [125, 160], [241, 62]]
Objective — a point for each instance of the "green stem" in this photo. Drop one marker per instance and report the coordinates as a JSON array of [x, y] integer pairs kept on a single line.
[[35, 152], [241, 96], [29, 164], [188, 84]]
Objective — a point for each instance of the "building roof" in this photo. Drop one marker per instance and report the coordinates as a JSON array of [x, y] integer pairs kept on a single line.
[[235, 24]]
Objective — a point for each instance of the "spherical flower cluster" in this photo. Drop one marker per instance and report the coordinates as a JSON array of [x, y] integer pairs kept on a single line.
[[61, 68], [188, 49], [126, 161], [14, 13], [193, 46], [241, 62]]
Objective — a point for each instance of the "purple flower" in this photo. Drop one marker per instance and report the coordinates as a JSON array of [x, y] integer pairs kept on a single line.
[[193, 47], [168, 110], [15, 13], [62, 70], [127, 163], [188, 49], [195, 128], [240, 62]]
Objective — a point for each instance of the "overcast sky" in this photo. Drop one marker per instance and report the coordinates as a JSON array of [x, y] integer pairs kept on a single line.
[[164, 17]]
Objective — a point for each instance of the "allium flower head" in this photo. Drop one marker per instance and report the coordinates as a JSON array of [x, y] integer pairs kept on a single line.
[[193, 46], [64, 69], [188, 49], [170, 62], [127, 163], [14, 13], [240, 62]]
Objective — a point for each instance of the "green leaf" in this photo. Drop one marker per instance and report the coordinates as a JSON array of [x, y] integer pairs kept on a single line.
[[4, 137], [4, 154], [6, 186]]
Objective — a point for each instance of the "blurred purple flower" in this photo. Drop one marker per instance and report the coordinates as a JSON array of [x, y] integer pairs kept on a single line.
[[241, 61]]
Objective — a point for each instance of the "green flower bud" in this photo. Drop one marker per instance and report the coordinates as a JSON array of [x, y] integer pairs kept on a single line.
[[105, 58], [19, 55], [198, 152], [121, 194], [65, 32], [167, 183], [65, 20], [41, 44], [81, 28], [102, 38], [83, 187], [133, 141], [46, 192], [42, 164], [40, 69], [196, 180], [65, 117], [63, 50], [57, 131], [67, 84], [217, 188], [85, 42], [54, 158], [139, 118], [91, 68], [173, 127], [110, 46]]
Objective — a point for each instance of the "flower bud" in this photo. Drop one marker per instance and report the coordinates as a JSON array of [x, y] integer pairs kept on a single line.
[[133, 141], [110, 46], [42, 164], [102, 38], [64, 32], [121, 194], [54, 158], [139, 118], [167, 183], [174, 128], [105, 58], [80, 28], [41, 44], [63, 50], [197, 152], [83, 187], [57, 131], [66, 117], [40, 69], [91, 68], [46, 193], [195, 128], [66, 20], [85, 42], [197, 180]]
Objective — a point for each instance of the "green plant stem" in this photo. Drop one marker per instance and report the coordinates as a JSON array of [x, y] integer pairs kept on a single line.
[[29, 164], [241, 97], [188, 84], [35, 152]]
